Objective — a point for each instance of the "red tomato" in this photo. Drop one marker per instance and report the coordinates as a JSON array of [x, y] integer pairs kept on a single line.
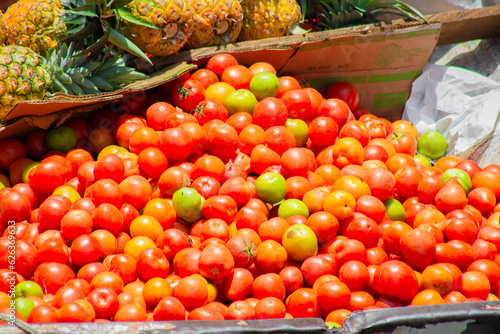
[[220, 62], [222, 141], [347, 151], [208, 110], [303, 303], [263, 157], [336, 109], [187, 94], [270, 308], [323, 131], [418, 247], [238, 76], [333, 295], [403, 143], [192, 292], [270, 112], [10, 151], [52, 172], [205, 77], [316, 266], [298, 103], [175, 143], [396, 279], [357, 130], [345, 91], [168, 309], [104, 301], [287, 83], [35, 143], [240, 310], [251, 136], [238, 285]]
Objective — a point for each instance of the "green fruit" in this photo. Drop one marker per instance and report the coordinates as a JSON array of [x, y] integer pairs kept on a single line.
[[24, 306], [271, 187], [300, 242], [293, 207], [462, 176], [299, 129], [26, 171], [395, 210], [264, 84], [332, 324], [241, 100], [432, 145], [62, 139], [28, 289], [187, 204], [422, 160]]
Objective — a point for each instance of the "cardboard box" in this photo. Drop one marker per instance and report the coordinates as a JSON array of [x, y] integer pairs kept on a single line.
[[381, 60]]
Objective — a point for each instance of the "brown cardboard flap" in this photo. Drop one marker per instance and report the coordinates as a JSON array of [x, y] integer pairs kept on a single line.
[[57, 102], [381, 59]]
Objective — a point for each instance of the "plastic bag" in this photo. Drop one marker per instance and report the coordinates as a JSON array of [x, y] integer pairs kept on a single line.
[[462, 105]]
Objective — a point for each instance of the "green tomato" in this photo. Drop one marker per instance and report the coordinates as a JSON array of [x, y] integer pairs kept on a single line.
[[241, 100], [3, 186], [264, 84], [24, 306], [68, 192], [333, 324], [462, 176], [26, 171], [293, 207], [422, 159], [28, 289], [187, 204], [432, 145], [62, 139], [299, 129], [271, 187], [300, 242], [395, 210]]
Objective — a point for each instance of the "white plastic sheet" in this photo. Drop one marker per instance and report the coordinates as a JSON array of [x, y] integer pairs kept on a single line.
[[462, 105]]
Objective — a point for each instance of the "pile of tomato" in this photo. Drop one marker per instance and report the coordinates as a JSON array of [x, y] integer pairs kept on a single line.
[[231, 193]]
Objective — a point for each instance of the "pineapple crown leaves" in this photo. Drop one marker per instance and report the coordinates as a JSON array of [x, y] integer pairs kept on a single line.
[[333, 14], [375, 8], [92, 24], [77, 74]]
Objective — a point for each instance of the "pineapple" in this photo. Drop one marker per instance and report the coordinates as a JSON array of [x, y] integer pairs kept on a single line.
[[216, 22], [2, 33], [268, 18], [35, 24], [174, 17], [25, 75]]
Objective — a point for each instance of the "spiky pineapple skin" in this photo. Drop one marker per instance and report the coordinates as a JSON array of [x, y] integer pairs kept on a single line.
[[268, 18], [23, 76], [216, 22], [173, 16], [33, 23], [2, 32]]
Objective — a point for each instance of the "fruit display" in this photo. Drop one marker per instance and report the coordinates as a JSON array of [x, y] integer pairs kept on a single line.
[[233, 193]]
